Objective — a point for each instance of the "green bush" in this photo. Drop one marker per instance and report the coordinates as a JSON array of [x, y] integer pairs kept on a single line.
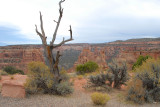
[[12, 70], [41, 80], [19, 71], [100, 98], [149, 75], [140, 61], [117, 74], [87, 67]]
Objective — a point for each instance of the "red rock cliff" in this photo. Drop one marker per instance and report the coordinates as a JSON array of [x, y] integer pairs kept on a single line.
[[19, 56], [74, 54]]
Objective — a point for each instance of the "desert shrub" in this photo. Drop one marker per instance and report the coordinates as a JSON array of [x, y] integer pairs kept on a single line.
[[91, 66], [81, 69], [149, 74], [64, 88], [31, 86], [100, 98], [98, 80], [117, 74], [63, 75], [80, 77], [19, 71], [12, 70], [3, 72], [136, 92], [87, 67], [41, 80], [140, 61]]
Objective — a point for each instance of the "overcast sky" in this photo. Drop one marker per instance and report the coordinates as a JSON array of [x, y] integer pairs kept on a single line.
[[93, 21]]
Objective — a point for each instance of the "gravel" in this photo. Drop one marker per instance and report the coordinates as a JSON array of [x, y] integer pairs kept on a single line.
[[77, 99]]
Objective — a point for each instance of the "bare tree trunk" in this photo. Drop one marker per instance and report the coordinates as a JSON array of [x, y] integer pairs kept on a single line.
[[50, 61]]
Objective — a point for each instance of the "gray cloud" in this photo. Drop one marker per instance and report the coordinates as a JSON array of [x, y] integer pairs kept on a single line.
[[93, 21]]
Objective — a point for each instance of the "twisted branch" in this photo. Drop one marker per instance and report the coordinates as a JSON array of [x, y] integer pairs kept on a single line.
[[58, 22], [64, 41]]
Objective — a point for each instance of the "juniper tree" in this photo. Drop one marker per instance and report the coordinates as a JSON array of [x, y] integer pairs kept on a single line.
[[50, 60]]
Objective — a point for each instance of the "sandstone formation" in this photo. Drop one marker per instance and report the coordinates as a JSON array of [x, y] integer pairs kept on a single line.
[[20, 56], [73, 54], [121, 51], [13, 88], [97, 56]]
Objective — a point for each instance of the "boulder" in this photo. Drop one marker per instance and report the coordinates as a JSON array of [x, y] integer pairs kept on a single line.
[[14, 89]]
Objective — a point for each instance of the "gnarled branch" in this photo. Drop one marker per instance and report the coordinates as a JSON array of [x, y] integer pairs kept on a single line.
[[64, 41], [38, 33], [58, 22], [42, 35]]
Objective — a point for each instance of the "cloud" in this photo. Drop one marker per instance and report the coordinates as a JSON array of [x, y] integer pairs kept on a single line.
[[92, 21], [10, 35]]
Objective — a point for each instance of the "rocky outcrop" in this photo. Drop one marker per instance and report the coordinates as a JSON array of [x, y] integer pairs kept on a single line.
[[13, 87], [121, 51], [73, 54], [20, 56], [97, 56]]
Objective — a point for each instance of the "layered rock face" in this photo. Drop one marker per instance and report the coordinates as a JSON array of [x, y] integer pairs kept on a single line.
[[97, 56], [73, 54], [20, 56], [121, 51]]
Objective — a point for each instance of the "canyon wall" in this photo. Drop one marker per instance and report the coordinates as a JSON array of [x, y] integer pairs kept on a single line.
[[74, 54], [125, 51], [20, 56]]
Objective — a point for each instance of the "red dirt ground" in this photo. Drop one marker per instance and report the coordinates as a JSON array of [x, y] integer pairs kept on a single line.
[[79, 83]]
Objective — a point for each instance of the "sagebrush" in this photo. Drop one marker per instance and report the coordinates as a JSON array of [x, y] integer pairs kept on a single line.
[[149, 75], [41, 80], [117, 74]]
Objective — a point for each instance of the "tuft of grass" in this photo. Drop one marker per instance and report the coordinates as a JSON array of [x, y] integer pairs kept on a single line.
[[80, 77], [12, 77], [100, 98]]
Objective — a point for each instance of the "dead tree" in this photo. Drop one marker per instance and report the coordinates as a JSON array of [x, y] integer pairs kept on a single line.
[[50, 61]]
